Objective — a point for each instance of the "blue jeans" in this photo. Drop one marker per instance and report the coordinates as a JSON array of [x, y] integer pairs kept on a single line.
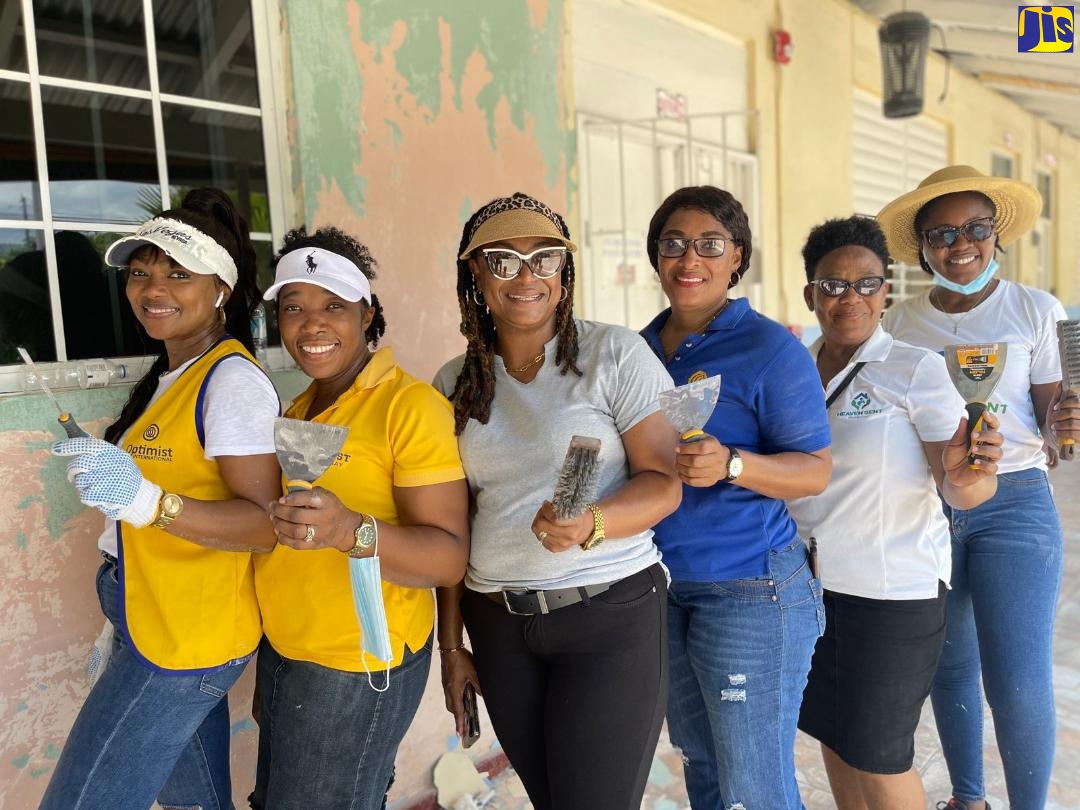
[[740, 654], [1006, 573], [327, 740], [144, 735]]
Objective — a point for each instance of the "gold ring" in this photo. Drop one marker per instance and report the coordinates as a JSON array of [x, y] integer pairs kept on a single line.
[[542, 536], [309, 535]]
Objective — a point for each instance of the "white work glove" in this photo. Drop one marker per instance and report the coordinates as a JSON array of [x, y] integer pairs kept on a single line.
[[108, 480]]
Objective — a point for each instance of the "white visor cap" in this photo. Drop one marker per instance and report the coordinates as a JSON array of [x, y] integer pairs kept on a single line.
[[323, 269], [187, 246]]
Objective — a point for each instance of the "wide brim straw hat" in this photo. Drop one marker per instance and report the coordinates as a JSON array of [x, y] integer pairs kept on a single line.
[[1017, 207]]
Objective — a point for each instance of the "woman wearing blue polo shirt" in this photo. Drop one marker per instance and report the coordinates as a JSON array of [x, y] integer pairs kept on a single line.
[[744, 610]]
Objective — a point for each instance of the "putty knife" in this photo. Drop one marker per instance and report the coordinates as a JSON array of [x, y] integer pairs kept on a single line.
[[306, 450], [688, 407], [976, 369]]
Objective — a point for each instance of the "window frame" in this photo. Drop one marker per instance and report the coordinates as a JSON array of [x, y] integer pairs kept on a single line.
[[265, 23]]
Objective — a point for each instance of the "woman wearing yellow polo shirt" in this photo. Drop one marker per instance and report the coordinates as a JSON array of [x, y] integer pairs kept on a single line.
[[339, 677]]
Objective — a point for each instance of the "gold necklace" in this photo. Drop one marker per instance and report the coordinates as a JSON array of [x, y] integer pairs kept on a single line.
[[538, 359], [701, 329]]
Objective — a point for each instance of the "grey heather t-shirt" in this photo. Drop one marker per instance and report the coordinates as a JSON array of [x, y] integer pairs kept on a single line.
[[513, 462]]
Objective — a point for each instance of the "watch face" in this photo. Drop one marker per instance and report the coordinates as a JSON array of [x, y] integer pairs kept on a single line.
[[365, 535], [171, 505], [735, 467]]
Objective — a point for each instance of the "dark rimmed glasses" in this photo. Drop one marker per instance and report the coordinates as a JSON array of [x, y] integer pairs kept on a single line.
[[506, 264], [707, 247], [836, 287], [975, 230]]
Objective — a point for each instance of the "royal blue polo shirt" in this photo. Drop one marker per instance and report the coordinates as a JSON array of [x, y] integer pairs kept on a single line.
[[771, 401]]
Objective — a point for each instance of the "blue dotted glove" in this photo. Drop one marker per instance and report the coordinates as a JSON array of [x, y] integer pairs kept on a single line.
[[108, 480]]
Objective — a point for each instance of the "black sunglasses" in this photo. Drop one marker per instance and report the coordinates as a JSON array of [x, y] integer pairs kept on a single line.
[[836, 287], [976, 230]]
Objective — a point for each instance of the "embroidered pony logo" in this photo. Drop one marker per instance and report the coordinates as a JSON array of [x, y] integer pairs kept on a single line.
[[310, 261]]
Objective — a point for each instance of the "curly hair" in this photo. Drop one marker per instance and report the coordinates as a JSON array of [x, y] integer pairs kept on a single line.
[[922, 213], [475, 386], [834, 234], [335, 240], [211, 211], [715, 202]]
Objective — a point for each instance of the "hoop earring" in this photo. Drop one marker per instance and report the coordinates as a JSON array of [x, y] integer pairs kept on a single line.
[[478, 297], [565, 293]]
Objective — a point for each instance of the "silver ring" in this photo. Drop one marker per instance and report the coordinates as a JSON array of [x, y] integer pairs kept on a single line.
[[542, 536], [309, 535]]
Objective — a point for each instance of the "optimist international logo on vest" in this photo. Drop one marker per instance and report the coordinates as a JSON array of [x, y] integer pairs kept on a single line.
[[1045, 29]]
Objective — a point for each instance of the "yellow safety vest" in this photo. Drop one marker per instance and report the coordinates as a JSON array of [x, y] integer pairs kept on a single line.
[[184, 607]]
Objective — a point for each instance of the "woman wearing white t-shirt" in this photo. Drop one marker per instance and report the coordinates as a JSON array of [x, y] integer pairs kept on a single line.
[[883, 541], [1007, 553], [184, 474]]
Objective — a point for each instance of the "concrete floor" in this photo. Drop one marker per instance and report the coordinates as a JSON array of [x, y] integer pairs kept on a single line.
[[666, 790]]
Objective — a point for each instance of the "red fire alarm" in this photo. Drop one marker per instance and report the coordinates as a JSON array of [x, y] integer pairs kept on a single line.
[[783, 47]]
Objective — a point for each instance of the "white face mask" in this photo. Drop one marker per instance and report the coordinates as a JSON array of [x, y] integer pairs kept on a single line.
[[366, 576]]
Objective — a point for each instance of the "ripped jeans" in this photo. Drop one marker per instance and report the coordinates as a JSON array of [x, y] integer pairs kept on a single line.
[[143, 734], [740, 654]]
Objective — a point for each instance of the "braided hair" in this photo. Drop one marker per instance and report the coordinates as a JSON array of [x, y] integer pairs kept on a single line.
[[475, 386], [335, 240], [211, 211]]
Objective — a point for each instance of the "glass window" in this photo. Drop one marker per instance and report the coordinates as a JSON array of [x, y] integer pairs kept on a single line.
[[264, 252], [211, 148], [25, 316], [97, 318], [206, 50], [18, 169], [102, 164], [12, 42], [92, 42]]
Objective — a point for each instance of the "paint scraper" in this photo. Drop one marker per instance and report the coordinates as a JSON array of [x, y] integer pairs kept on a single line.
[[306, 450], [976, 369], [688, 407]]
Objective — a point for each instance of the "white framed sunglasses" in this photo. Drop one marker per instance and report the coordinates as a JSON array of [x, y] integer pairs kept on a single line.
[[506, 264]]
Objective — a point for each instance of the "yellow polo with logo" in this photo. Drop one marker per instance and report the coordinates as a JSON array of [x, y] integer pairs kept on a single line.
[[401, 434], [184, 607]]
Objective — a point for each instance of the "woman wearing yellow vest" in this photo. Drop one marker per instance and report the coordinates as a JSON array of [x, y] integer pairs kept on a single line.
[[347, 648], [184, 476]]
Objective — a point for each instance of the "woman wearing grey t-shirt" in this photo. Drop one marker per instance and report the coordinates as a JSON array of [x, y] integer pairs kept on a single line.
[[568, 633]]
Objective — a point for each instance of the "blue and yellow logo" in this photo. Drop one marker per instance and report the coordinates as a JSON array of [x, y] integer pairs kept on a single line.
[[1044, 29]]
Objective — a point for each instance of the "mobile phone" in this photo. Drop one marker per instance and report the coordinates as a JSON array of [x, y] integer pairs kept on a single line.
[[472, 717], [812, 557]]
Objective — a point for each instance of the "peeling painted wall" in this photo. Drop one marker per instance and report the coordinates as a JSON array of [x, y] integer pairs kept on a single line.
[[404, 116], [415, 113]]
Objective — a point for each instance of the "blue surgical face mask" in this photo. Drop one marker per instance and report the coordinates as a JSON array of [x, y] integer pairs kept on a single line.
[[366, 576], [973, 286]]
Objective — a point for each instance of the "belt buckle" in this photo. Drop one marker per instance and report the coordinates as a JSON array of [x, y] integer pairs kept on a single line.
[[540, 598]]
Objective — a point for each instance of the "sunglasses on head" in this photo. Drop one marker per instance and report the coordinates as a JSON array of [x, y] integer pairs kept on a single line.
[[836, 287], [707, 247], [506, 264], [977, 230]]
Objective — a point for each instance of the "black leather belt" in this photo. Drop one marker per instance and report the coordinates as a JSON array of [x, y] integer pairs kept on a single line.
[[530, 603]]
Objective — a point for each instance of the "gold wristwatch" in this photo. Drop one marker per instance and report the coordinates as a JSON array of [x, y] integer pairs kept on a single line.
[[169, 508], [597, 536], [365, 536]]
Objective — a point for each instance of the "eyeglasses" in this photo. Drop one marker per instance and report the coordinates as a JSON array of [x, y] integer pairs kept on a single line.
[[836, 287], [707, 247], [506, 264], [977, 230]]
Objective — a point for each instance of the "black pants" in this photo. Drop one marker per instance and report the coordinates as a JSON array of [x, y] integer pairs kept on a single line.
[[577, 696]]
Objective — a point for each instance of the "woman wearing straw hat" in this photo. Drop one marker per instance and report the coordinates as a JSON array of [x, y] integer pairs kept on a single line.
[[567, 632], [1007, 552]]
